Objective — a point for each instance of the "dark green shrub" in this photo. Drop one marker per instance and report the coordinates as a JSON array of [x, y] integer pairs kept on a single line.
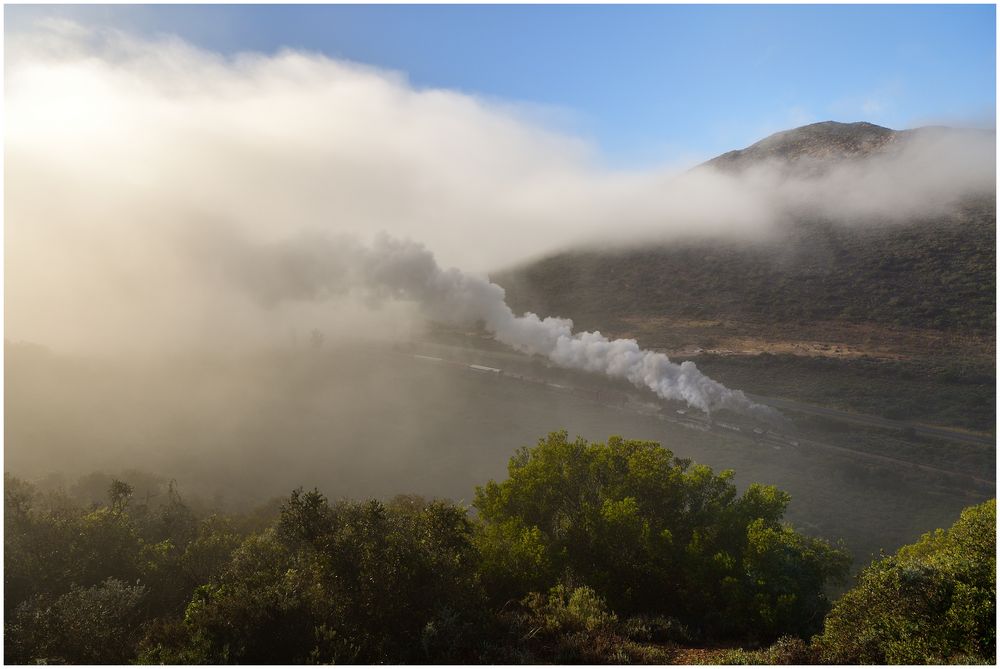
[[95, 625], [933, 602], [351, 582], [652, 534]]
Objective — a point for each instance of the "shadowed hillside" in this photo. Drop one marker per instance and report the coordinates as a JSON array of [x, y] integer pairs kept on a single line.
[[936, 274], [920, 294]]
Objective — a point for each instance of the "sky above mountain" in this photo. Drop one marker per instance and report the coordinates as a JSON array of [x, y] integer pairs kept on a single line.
[[646, 85]]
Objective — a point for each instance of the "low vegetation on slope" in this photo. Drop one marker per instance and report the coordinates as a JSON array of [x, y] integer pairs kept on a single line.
[[587, 552], [919, 292], [938, 273], [933, 602], [910, 298]]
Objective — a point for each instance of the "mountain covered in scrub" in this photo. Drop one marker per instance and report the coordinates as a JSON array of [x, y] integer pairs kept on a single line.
[[930, 272], [915, 295]]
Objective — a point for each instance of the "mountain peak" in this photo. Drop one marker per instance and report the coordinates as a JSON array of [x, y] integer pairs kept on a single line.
[[827, 140]]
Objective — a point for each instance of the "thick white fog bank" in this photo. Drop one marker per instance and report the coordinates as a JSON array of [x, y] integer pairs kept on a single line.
[[132, 165]]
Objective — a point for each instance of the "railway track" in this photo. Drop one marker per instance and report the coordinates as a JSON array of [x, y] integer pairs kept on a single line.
[[875, 421], [690, 419]]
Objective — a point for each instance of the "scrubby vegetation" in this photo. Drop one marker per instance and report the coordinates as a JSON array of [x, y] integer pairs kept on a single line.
[[587, 552], [937, 390], [933, 601], [917, 301], [937, 273]]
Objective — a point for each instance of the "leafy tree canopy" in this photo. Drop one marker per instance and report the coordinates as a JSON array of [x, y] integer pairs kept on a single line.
[[651, 533], [350, 582]]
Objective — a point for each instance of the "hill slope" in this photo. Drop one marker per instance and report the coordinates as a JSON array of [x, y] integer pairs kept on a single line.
[[917, 297], [939, 274], [824, 141]]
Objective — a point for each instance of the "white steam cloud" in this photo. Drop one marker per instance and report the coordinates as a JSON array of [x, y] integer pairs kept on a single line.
[[317, 268]]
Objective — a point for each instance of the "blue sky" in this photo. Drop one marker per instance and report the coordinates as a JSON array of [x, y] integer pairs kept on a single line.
[[646, 84]]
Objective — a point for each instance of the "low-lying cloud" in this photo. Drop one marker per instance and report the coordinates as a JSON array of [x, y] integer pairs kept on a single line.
[[135, 169], [317, 268]]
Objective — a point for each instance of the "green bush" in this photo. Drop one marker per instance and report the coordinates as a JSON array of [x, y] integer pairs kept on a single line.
[[573, 610], [569, 625], [50, 549], [590, 553], [786, 650], [652, 534], [351, 582], [933, 602], [95, 625]]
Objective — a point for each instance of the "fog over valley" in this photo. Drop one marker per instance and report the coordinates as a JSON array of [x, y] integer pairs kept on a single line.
[[165, 156], [326, 344], [255, 216]]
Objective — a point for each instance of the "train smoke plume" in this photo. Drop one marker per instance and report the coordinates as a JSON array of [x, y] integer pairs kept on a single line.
[[314, 268]]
